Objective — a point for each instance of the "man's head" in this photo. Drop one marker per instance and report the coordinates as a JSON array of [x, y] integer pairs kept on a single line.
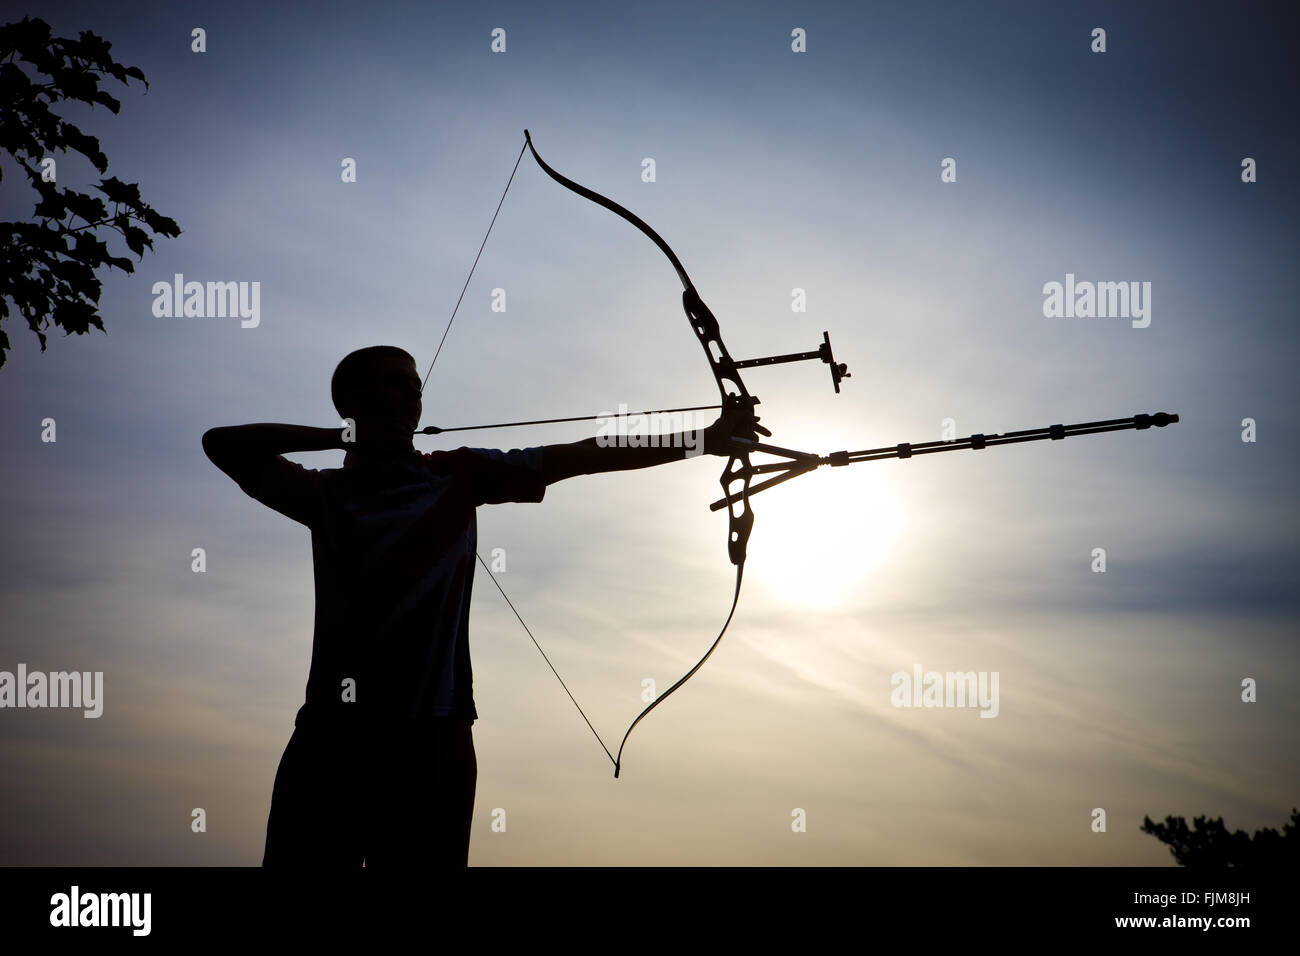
[[378, 387]]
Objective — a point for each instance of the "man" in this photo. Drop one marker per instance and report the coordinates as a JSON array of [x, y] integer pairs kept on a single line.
[[381, 767]]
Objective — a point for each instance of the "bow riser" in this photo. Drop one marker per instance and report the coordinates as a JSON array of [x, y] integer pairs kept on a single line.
[[734, 396]]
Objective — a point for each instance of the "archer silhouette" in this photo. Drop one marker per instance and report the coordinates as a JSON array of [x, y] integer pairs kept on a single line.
[[380, 767]]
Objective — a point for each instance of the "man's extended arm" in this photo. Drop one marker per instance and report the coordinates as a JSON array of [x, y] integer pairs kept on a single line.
[[587, 457], [591, 456]]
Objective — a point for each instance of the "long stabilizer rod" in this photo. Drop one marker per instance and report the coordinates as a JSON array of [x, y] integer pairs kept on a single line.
[[799, 462]]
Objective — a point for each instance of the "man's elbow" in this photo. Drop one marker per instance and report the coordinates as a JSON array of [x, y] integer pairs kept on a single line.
[[216, 445]]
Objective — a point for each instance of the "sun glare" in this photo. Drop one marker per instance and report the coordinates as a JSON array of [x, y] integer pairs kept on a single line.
[[822, 536]]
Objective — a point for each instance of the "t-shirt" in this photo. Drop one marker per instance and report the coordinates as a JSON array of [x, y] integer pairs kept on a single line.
[[393, 552]]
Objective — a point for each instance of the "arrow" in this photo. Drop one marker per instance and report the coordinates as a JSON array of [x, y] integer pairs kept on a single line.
[[435, 430]]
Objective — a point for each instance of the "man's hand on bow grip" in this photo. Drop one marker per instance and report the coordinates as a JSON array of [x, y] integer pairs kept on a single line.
[[737, 422]]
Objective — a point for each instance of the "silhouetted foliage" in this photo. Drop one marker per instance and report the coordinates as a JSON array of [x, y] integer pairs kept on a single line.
[[47, 267], [1208, 843]]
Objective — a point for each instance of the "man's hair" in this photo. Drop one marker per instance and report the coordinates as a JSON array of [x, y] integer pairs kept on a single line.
[[355, 373]]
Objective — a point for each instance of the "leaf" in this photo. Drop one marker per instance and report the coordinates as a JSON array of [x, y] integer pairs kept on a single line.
[[106, 99], [52, 204], [137, 239], [85, 144], [163, 225], [117, 191], [87, 207], [90, 250]]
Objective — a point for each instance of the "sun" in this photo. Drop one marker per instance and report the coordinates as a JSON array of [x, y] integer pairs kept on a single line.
[[823, 536]]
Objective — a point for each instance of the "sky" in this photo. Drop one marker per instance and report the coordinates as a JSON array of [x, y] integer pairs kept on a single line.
[[775, 170]]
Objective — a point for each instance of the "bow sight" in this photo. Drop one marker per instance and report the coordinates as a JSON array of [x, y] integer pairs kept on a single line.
[[839, 370]]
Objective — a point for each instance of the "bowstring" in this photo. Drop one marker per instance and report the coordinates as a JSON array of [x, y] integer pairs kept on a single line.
[[438, 352], [482, 245], [544, 657]]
